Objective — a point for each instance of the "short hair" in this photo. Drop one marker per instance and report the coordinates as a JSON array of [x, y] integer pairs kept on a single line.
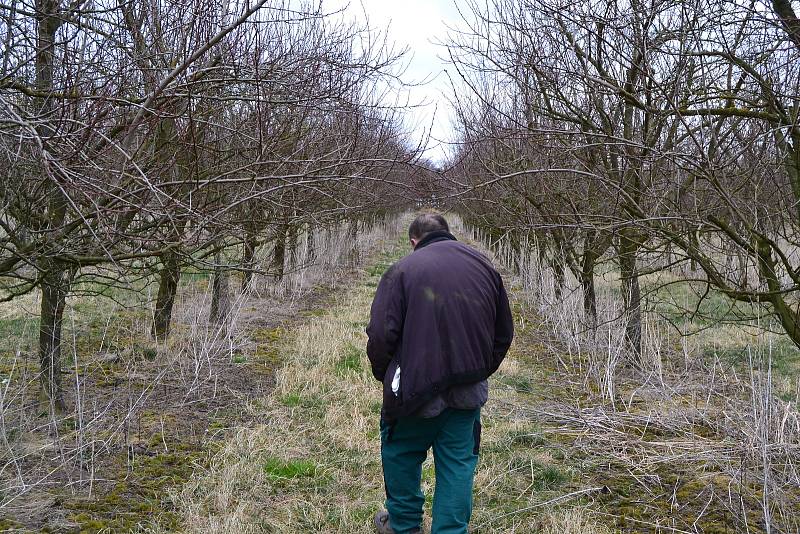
[[425, 224]]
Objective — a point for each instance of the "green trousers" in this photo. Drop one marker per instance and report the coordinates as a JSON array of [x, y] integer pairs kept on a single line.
[[454, 436]]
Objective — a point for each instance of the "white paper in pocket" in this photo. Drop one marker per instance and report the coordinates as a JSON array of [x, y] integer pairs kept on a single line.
[[396, 381]]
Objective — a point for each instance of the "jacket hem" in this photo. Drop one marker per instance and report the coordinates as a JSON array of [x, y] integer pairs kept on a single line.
[[416, 400]]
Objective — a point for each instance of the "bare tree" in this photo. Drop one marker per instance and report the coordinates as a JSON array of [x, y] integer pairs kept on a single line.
[[158, 136]]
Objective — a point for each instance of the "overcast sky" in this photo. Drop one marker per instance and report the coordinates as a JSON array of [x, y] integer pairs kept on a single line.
[[418, 25]]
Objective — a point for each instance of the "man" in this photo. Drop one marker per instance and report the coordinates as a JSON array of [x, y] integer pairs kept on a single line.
[[440, 325]]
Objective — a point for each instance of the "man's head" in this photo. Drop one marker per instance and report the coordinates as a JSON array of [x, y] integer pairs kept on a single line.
[[424, 225]]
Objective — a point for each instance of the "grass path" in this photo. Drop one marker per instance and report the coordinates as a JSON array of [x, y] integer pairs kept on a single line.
[[313, 463]]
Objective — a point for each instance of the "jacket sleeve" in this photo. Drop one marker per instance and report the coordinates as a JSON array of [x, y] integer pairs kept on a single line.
[[503, 328], [385, 329]]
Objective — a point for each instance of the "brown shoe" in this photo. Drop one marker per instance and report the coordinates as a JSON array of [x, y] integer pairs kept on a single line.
[[382, 525]]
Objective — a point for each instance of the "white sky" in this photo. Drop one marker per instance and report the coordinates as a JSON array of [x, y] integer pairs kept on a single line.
[[418, 25]]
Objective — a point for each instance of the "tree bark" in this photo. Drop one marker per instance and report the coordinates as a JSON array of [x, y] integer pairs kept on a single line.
[[768, 272], [57, 277], [291, 245], [516, 252], [632, 297], [352, 238], [589, 297], [248, 259], [167, 289], [311, 246], [220, 295], [694, 240], [55, 286], [784, 10], [279, 252], [594, 246], [559, 274], [588, 287], [541, 251]]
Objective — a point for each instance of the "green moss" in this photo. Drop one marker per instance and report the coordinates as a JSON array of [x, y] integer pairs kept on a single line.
[[279, 469], [549, 477], [272, 334], [523, 384], [295, 400], [148, 353], [428, 473], [527, 439], [8, 524], [136, 499], [110, 381], [681, 495], [68, 424], [268, 344], [350, 362], [292, 400], [379, 268]]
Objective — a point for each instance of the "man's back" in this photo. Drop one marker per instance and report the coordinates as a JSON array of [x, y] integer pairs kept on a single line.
[[448, 308]]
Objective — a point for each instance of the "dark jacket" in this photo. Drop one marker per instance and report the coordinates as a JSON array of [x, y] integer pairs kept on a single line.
[[441, 314]]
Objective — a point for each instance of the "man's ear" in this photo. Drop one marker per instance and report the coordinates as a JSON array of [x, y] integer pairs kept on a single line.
[[414, 242]]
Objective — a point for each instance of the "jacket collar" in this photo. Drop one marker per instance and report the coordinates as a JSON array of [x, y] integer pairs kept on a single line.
[[434, 237]]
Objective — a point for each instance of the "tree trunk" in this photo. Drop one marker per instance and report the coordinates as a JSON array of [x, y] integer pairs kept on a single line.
[[541, 250], [220, 295], [279, 252], [742, 263], [589, 293], [595, 245], [632, 297], [668, 255], [57, 278], [55, 287], [167, 288], [768, 273], [559, 274], [248, 259], [311, 246], [291, 245], [516, 252], [352, 238], [694, 240]]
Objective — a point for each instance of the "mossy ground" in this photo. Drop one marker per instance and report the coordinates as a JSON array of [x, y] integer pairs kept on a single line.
[[140, 498]]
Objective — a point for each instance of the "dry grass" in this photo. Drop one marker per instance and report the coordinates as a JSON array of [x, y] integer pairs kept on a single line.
[[313, 463], [573, 521], [687, 441], [142, 414]]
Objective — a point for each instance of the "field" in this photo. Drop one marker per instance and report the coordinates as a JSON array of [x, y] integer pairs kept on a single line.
[[273, 425], [198, 200]]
